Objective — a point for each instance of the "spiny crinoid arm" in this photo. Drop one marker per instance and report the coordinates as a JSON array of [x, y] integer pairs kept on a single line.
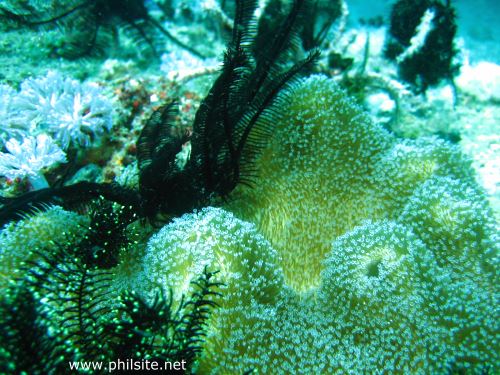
[[163, 184], [33, 15], [244, 23], [157, 146], [25, 343], [244, 93], [68, 15], [214, 161], [157, 329], [75, 297], [67, 196], [270, 54], [256, 125]]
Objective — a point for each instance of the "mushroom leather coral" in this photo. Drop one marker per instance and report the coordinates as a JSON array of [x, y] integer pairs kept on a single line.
[[36, 231], [353, 252]]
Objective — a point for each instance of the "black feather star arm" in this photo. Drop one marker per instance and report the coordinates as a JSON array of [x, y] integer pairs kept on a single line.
[[64, 310], [27, 344], [79, 21], [193, 314], [76, 300], [231, 126], [88, 17], [33, 14], [107, 234], [241, 102], [162, 181], [53, 314], [68, 197], [155, 330]]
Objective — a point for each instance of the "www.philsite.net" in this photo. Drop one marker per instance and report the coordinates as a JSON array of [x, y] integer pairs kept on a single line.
[[128, 365]]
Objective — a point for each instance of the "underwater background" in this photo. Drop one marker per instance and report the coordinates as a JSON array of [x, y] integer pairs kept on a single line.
[[244, 186]]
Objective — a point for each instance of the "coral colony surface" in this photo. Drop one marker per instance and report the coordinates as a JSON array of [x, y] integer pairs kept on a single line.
[[249, 187]]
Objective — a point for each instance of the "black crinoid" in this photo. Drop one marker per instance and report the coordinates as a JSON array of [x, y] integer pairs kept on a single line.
[[81, 21], [231, 125], [64, 311], [230, 128]]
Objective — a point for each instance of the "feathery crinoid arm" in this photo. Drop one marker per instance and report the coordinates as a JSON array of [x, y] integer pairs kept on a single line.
[[214, 160], [157, 147], [235, 119], [162, 181]]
